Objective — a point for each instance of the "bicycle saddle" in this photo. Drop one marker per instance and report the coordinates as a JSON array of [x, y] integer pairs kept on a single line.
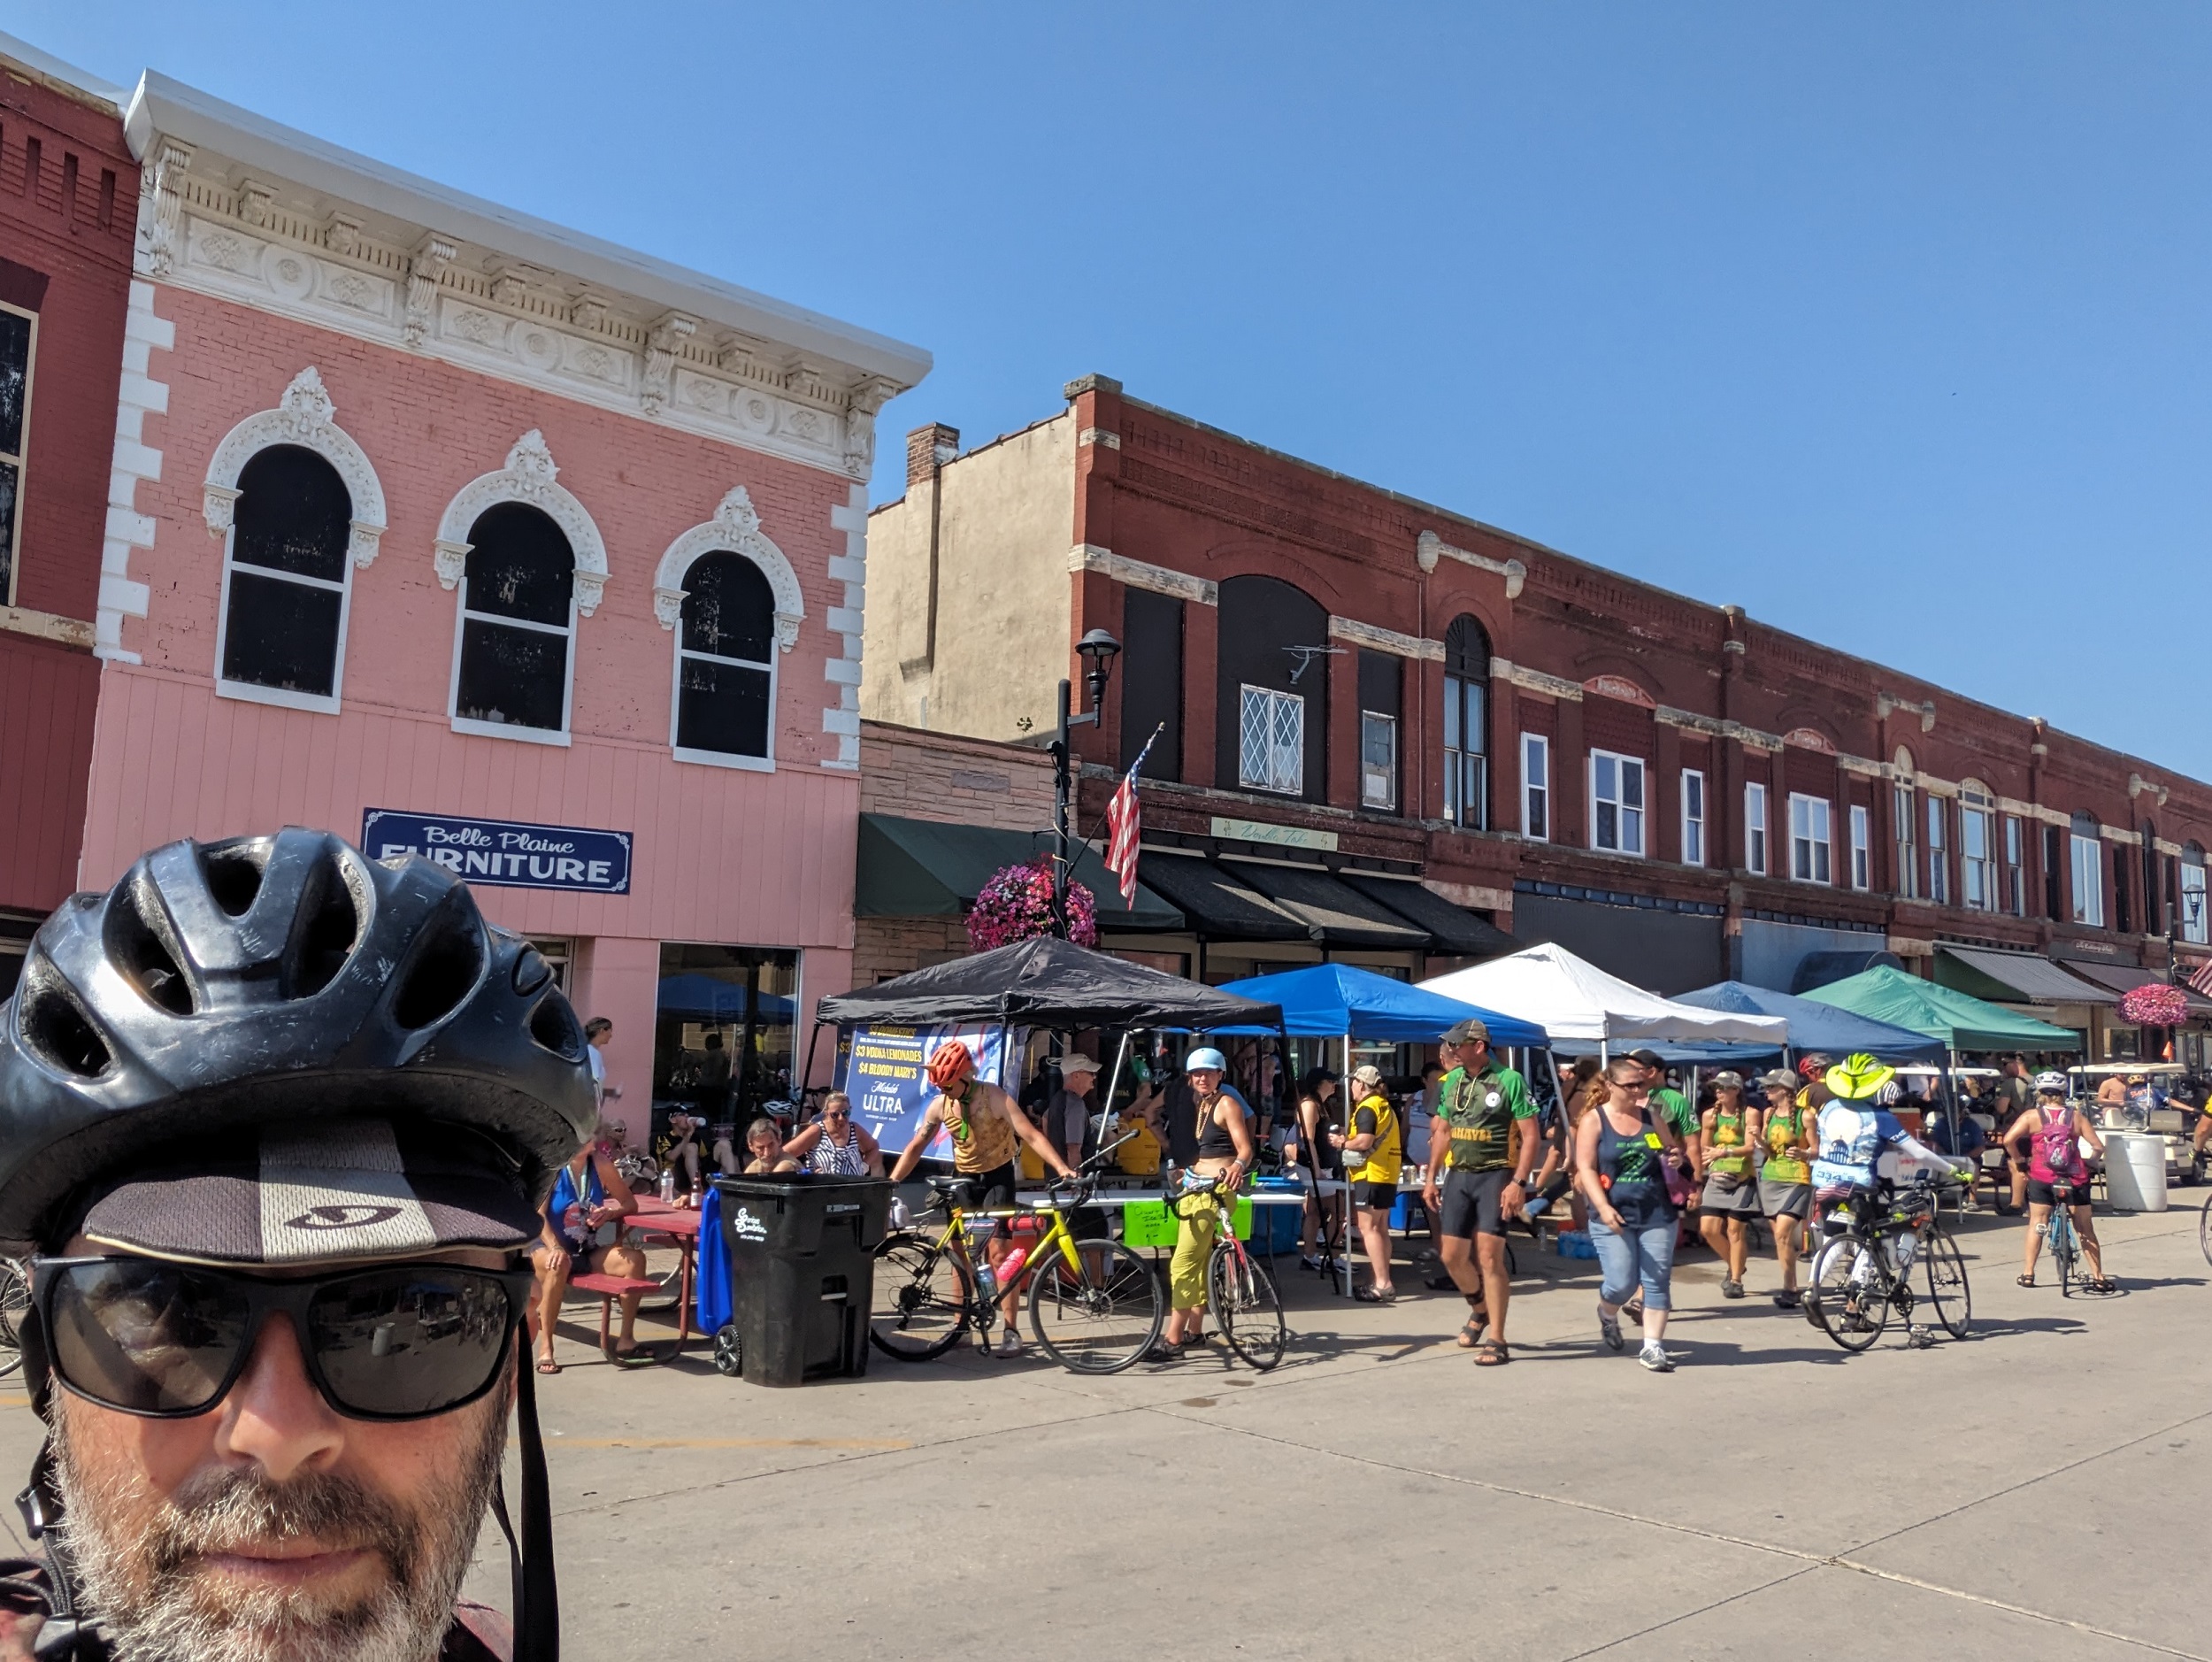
[[960, 1191]]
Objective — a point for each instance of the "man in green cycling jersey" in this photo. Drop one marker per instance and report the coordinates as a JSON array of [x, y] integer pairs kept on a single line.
[[1482, 1144], [1672, 1105]]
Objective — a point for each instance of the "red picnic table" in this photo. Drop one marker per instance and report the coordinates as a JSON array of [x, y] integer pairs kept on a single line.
[[658, 1221]]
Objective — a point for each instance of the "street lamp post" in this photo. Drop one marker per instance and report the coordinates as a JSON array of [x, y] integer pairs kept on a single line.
[[1097, 650]]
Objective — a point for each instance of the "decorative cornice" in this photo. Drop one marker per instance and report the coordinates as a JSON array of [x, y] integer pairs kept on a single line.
[[518, 324], [1385, 640], [736, 527], [1089, 556], [304, 416], [1428, 548], [1535, 680], [2137, 786], [529, 477]]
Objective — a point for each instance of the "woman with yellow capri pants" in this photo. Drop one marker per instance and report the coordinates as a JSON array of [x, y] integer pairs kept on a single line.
[[1224, 1153]]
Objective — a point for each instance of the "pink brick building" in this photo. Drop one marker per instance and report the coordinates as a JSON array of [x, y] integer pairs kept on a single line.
[[450, 529]]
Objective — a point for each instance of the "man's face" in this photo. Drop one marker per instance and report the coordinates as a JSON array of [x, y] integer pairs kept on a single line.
[[272, 1528], [1078, 1083]]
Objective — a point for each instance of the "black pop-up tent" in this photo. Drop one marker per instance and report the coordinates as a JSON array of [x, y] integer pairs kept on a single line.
[[1047, 982]]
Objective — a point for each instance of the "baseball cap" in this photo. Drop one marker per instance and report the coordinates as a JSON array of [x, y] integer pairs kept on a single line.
[[1728, 1079], [1468, 1031], [1368, 1077], [1779, 1079], [1076, 1062], [333, 1191]]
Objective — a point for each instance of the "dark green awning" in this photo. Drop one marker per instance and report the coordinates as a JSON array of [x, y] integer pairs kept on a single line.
[[922, 868]]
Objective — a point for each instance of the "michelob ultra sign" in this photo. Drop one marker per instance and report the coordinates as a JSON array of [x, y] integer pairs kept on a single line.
[[503, 853]]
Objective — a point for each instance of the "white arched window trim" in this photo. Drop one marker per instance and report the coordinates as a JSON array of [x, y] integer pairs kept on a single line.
[[303, 416], [734, 529], [530, 477]]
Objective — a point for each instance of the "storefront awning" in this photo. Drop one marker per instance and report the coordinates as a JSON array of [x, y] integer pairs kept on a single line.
[[1455, 931], [2127, 978], [2013, 978], [1217, 905], [921, 868], [1334, 912]]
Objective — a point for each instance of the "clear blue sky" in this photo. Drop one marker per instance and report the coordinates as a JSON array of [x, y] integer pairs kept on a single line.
[[1886, 323]]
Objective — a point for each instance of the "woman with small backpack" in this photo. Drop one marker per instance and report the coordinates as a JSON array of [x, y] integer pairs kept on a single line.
[[2053, 1131]]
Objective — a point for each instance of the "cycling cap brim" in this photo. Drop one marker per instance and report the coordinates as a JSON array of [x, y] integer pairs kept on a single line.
[[344, 1191]]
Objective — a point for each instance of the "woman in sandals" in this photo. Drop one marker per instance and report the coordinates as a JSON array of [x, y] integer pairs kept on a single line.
[[2057, 1175], [1373, 1155], [1726, 1132], [1620, 1163], [1225, 1154]]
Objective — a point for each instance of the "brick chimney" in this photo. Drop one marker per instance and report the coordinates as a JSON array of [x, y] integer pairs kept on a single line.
[[928, 448]]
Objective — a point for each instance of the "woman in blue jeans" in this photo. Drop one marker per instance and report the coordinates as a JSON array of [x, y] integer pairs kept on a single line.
[[1619, 1165]]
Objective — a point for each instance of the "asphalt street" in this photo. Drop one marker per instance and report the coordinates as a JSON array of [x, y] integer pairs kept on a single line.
[[2031, 1491]]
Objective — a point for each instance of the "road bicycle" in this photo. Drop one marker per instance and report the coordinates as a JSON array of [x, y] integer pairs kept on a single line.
[[2204, 1233], [1095, 1307], [1863, 1272], [1240, 1291]]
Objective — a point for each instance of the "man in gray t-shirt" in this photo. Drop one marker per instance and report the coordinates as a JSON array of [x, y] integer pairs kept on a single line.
[[1068, 1113]]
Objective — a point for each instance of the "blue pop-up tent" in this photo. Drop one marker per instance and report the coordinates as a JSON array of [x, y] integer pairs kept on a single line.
[[1815, 1026], [1334, 1001]]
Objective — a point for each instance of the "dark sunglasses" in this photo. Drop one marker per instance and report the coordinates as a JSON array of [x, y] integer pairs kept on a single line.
[[168, 1341]]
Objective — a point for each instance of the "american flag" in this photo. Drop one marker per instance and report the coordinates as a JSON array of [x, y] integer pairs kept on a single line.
[[2202, 980], [1124, 819]]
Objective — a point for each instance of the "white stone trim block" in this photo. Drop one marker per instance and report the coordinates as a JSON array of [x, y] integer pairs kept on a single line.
[[121, 594]]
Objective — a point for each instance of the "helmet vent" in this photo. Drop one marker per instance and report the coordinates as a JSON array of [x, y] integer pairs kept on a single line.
[[53, 1027], [441, 976], [143, 957], [553, 1025], [234, 877], [327, 936]]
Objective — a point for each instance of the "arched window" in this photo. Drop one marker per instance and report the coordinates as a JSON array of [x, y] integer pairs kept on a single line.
[[1902, 818], [2195, 925], [280, 638], [512, 658], [726, 663], [1977, 845], [1467, 724], [2087, 870]]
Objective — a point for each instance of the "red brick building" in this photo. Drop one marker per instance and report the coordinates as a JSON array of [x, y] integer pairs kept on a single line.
[[1368, 706], [68, 209]]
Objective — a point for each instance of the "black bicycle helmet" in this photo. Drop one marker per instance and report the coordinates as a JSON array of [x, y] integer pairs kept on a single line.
[[222, 985]]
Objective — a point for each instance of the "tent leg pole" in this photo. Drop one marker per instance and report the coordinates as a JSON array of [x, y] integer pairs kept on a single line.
[[1113, 1083]]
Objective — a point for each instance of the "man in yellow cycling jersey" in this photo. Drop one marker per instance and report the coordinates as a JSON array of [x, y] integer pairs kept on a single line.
[[1477, 1178]]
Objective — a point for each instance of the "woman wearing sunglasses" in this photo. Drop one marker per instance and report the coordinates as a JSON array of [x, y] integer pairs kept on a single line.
[[834, 1146], [581, 1234], [275, 1123]]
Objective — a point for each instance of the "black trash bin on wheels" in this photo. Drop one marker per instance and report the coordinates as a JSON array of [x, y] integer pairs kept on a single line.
[[802, 1274]]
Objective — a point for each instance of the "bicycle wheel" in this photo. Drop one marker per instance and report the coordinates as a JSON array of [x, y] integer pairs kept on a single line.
[[15, 1301], [1849, 1293], [920, 1307], [1251, 1315], [2065, 1247], [1947, 1291], [2204, 1233], [1098, 1318]]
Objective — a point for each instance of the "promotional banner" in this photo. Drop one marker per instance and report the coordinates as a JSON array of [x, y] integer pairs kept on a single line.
[[890, 1091], [502, 852]]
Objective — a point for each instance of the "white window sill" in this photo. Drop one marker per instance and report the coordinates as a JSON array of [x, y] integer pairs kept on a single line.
[[723, 758], [247, 692], [508, 730]]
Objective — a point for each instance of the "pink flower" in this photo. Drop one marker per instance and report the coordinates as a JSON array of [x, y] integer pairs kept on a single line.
[[2155, 1005], [1016, 904]]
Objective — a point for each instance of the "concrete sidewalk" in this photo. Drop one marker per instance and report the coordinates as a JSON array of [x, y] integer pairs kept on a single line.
[[1378, 1494]]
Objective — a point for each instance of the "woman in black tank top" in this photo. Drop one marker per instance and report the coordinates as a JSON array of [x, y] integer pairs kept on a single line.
[[1225, 1152]]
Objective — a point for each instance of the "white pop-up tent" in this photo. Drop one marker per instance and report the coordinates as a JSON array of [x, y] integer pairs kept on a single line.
[[1580, 1006]]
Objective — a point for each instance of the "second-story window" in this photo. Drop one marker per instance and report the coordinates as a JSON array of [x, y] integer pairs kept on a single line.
[[517, 621], [1617, 803], [726, 663], [1862, 846], [1810, 843], [1692, 817], [2015, 873], [1272, 755], [1381, 677], [1977, 846], [1939, 855], [2195, 926], [1907, 855], [18, 349], [282, 625], [1535, 787], [1755, 828], [1467, 725], [2087, 871]]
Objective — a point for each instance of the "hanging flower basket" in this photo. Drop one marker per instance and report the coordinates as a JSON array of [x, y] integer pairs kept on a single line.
[[1016, 904], [2154, 1006]]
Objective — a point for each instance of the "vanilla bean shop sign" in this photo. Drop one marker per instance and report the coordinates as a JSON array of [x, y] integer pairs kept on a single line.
[[502, 853]]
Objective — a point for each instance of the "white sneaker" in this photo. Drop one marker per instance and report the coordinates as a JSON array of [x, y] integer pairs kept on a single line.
[[1009, 1343], [1656, 1358]]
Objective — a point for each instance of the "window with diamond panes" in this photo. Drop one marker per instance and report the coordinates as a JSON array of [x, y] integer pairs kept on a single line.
[[1273, 754]]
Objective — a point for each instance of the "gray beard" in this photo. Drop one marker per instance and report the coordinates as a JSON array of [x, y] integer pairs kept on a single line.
[[135, 1556]]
